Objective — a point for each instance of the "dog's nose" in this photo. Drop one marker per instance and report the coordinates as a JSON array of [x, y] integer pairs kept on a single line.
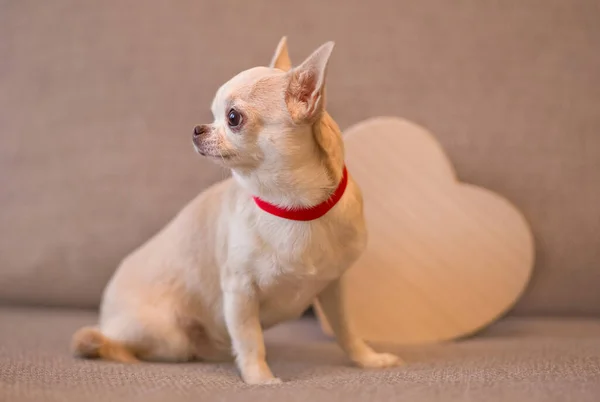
[[199, 130]]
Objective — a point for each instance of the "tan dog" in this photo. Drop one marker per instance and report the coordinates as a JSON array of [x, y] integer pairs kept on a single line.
[[244, 255]]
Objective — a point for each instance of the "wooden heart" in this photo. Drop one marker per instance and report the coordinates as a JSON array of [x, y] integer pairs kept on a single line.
[[444, 258]]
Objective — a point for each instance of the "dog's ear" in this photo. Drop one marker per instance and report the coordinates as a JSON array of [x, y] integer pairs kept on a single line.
[[305, 95], [281, 58]]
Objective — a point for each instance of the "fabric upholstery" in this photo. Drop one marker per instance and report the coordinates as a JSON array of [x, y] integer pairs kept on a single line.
[[99, 99], [516, 360]]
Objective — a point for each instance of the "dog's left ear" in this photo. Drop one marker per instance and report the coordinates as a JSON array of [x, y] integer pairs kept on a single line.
[[281, 58], [305, 95]]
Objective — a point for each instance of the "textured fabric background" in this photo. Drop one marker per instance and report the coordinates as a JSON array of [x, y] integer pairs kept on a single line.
[[516, 360], [98, 100]]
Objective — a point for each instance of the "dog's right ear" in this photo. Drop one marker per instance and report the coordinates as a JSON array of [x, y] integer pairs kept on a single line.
[[281, 59], [305, 95]]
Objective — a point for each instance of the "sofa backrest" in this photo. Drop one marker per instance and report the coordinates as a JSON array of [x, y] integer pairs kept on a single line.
[[98, 101]]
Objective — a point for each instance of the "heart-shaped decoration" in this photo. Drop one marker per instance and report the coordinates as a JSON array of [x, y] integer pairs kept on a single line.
[[444, 258]]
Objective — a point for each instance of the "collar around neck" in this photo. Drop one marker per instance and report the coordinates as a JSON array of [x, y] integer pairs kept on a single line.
[[306, 214]]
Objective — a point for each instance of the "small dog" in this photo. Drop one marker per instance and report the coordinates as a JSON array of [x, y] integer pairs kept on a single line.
[[253, 250]]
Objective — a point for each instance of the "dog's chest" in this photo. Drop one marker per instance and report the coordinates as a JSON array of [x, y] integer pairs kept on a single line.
[[288, 299], [295, 264]]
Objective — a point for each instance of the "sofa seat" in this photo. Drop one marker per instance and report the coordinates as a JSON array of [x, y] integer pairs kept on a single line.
[[518, 359]]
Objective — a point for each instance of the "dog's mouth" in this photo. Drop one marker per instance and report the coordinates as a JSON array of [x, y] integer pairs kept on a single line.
[[212, 150], [218, 156], [215, 156]]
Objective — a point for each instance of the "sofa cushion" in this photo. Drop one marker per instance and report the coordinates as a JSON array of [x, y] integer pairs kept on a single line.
[[98, 100], [516, 360]]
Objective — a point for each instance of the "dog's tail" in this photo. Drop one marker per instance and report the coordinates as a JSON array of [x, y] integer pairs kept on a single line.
[[88, 342]]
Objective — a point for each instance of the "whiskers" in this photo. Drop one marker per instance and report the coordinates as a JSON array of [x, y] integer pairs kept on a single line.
[[221, 154]]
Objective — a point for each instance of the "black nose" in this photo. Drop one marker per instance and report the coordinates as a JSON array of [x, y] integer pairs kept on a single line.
[[199, 130]]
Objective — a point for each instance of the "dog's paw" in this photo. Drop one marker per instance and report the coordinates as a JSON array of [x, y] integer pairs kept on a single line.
[[379, 360], [272, 381], [258, 374]]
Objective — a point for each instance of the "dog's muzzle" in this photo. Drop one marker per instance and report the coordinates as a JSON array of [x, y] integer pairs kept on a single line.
[[200, 131]]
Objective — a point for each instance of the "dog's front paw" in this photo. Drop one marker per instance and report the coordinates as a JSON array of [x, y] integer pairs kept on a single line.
[[378, 360], [271, 381], [258, 374]]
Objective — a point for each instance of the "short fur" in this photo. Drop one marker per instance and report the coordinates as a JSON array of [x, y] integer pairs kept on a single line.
[[207, 284]]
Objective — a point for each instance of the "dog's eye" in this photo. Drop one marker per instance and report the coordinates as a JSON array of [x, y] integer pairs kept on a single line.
[[234, 118]]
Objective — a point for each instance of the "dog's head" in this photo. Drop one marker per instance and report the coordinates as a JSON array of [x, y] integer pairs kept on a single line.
[[264, 116]]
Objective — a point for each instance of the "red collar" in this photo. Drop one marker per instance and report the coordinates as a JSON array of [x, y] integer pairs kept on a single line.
[[306, 214]]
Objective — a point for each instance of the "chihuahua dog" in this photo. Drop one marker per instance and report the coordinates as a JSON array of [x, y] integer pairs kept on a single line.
[[253, 250]]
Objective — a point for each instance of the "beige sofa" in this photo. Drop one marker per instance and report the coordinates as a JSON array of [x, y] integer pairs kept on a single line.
[[97, 103]]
